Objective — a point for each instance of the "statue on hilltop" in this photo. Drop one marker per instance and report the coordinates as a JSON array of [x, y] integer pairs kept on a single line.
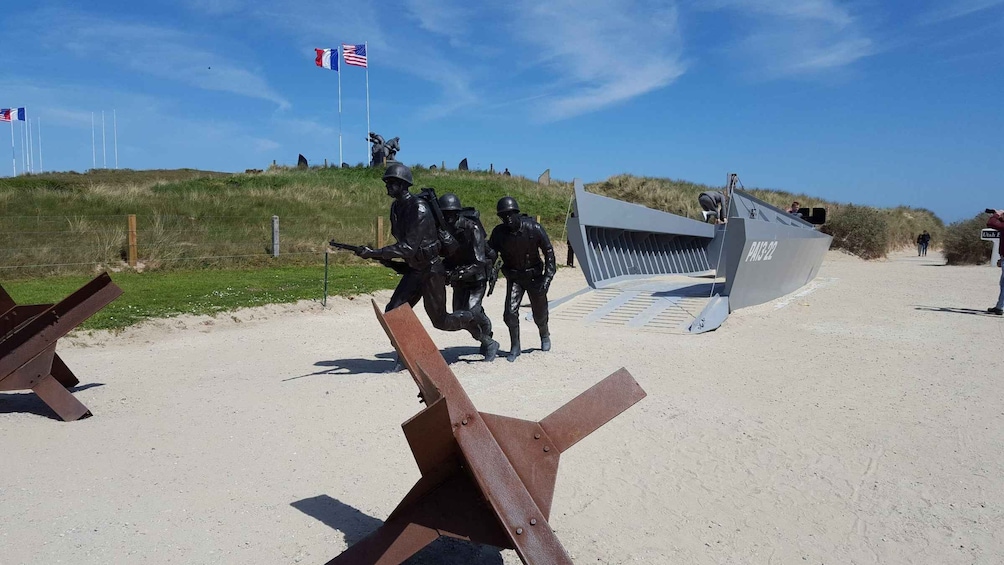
[[382, 151]]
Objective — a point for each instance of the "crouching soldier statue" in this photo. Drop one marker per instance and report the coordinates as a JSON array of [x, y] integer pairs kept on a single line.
[[469, 267], [418, 242], [520, 241]]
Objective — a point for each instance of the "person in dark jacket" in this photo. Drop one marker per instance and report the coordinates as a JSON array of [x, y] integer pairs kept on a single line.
[[996, 222], [418, 242], [521, 241], [469, 267]]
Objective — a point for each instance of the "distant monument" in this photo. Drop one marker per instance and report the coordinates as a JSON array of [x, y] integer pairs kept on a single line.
[[463, 165], [545, 178], [383, 151], [301, 163]]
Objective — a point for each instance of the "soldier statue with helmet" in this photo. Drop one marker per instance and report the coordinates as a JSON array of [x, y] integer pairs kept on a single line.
[[521, 241], [469, 267], [419, 243]]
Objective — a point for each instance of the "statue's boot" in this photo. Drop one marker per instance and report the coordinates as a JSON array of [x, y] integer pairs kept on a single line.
[[545, 343], [489, 348], [514, 347], [545, 337]]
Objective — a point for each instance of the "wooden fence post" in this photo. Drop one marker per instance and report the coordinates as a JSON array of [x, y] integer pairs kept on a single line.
[[379, 230], [132, 240], [275, 236]]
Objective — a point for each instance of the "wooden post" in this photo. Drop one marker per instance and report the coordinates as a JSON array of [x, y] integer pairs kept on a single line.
[[379, 230], [538, 219], [325, 163], [132, 240], [275, 236]]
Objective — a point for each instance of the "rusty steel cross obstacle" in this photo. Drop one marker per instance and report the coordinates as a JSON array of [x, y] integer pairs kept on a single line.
[[485, 478], [28, 334]]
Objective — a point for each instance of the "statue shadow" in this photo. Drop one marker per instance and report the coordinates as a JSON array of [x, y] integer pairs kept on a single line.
[[970, 311], [385, 362], [356, 525], [29, 403]]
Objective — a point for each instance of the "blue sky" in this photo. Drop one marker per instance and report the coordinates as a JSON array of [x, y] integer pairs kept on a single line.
[[880, 103]]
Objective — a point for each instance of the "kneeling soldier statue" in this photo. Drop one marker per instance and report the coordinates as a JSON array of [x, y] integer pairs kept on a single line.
[[520, 241], [469, 267]]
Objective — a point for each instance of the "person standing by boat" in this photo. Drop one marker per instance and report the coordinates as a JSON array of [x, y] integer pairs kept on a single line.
[[996, 222]]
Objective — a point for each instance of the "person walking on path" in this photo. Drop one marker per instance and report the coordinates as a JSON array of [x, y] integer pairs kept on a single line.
[[996, 222]]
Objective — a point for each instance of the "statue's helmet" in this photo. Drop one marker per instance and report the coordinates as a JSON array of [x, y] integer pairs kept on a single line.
[[507, 204], [398, 171], [449, 202]]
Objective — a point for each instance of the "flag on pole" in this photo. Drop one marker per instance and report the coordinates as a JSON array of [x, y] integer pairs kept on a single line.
[[354, 54], [12, 115], [325, 60]]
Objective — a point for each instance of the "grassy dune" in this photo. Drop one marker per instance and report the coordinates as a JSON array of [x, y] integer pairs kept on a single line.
[[70, 223]]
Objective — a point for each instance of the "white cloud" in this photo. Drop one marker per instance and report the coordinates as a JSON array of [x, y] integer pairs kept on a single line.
[[444, 17], [599, 52], [797, 37], [165, 53], [952, 9]]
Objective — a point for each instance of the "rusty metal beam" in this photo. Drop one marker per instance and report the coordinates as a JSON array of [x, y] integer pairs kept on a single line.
[[485, 478], [28, 336]]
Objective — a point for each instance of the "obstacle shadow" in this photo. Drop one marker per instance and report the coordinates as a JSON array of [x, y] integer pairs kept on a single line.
[[356, 525], [23, 403]]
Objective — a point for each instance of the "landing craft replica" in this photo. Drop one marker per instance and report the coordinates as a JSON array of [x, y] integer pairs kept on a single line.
[[762, 252]]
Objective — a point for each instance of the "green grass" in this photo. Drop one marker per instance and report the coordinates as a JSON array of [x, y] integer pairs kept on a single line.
[[69, 223], [165, 294]]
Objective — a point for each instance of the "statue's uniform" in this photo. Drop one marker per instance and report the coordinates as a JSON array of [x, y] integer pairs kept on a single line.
[[468, 269], [414, 227], [525, 272]]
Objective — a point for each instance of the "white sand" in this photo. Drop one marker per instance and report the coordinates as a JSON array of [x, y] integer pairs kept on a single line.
[[851, 425]]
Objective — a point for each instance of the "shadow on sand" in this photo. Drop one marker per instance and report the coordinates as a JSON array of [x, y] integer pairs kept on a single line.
[[355, 525], [29, 403], [969, 311], [385, 363]]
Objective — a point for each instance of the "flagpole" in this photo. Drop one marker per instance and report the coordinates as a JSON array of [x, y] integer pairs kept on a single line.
[[115, 125], [94, 158], [38, 124], [366, 46], [31, 148], [338, 57], [13, 159], [20, 136], [104, 148]]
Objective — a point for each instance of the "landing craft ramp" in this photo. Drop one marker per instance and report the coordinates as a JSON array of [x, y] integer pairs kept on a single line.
[[762, 253]]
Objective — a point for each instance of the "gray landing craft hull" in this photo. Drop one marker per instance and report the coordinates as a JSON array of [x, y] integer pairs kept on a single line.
[[763, 252]]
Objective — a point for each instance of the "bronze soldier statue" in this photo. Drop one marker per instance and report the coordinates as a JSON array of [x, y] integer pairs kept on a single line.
[[469, 267], [418, 242], [520, 241]]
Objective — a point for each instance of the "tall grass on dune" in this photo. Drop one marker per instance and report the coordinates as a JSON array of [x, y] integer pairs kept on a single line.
[[64, 223]]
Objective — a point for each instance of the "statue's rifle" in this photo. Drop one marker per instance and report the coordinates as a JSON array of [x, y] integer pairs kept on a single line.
[[398, 267]]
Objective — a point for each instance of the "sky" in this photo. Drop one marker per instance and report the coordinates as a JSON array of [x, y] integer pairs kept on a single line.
[[881, 103]]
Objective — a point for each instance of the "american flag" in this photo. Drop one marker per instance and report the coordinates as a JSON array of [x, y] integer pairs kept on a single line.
[[354, 54]]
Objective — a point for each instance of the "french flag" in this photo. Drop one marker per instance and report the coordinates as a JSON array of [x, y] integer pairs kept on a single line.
[[12, 115], [325, 60]]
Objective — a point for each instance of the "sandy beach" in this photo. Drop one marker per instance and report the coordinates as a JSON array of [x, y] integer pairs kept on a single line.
[[859, 421]]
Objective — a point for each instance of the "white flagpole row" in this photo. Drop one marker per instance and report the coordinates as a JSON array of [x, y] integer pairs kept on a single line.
[[104, 149], [115, 125], [24, 153], [366, 46], [13, 158], [38, 124], [340, 59], [31, 148], [94, 158]]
